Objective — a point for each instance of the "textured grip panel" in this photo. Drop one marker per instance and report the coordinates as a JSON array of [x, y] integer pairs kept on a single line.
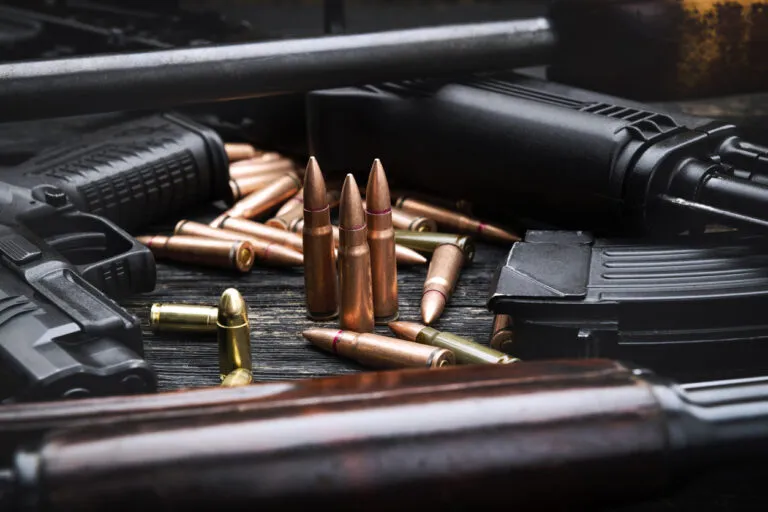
[[135, 173]]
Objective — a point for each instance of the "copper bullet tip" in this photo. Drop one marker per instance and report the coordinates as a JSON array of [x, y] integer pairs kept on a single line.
[[377, 191], [408, 256], [351, 212], [496, 233], [286, 255], [406, 330], [321, 337], [432, 305], [315, 197]]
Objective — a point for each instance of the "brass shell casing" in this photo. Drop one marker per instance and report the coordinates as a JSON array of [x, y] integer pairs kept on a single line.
[[237, 255], [502, 333], [258, 230], [242, 187], [320, 276], [240, 151], [259, 167], [265, 251], [182, 318], [377, 351], [404, 220], [233, 333], [288, 219], [466, 351], [381, 243], [236, 378], [261, 201], [355, 285], [428, 242]]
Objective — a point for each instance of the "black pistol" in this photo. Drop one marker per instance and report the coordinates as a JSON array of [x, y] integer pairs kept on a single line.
[[544, 151], [66, 257]]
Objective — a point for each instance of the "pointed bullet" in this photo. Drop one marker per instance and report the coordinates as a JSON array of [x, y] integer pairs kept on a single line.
[[355, 286], [456, 221], [381, 240], [321, 286], [265, 251], [442, 275], [378, 351], [466, 350]]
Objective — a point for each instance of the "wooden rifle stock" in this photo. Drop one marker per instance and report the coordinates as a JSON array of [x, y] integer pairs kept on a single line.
[[543, 434]]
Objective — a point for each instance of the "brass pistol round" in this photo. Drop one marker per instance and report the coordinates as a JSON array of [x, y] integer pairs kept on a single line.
[[182, 318], [233, 333], [237, 377]]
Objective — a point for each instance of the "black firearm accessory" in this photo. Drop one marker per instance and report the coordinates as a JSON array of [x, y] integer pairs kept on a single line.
[[689, 308], [65, 255], [568, 157]]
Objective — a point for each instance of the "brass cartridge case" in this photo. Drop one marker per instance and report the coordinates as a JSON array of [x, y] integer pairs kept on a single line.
[[465, 350], [502, 333], [456, 221], [404, 220], [355, 286], [233, 333], [242, 187], [381, 241], [265, 251], [428, 242], [321, 283], [378, 351], [442, 276], [258, 230], [261, 201], [182, 318], [260, 167], [237, 255], [240, 151], [288, 220], [236, 378]]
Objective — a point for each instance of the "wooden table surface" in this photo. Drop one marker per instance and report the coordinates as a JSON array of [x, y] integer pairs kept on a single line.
[[277, 315]]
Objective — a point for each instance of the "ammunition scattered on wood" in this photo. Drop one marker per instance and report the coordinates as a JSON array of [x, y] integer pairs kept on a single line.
[[378, 351], [381, 241], [466, 351], [262, 201], [233, 333], [237, 255]]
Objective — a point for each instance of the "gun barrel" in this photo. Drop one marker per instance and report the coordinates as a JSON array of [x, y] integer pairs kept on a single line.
[[164, 78], [418, 437]]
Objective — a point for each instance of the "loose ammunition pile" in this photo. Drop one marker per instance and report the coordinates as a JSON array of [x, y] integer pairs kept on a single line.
[[350, 269]]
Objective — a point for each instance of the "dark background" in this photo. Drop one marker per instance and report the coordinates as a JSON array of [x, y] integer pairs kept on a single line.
[[275, 297]]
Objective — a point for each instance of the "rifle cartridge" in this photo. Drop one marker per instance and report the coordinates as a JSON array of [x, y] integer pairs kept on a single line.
[[355, 286], [258, 230], [237, 377], [233, 333], [428, 242], [265, 251], [502, 333], [259, 167], [442, 276], [381, 241], [242, 187], [321, 285], [288, 219], [240, 151], [263, 200], [404, 220], [237, 255], [456, 221], [182, 318], [378, 351], [466, 351]]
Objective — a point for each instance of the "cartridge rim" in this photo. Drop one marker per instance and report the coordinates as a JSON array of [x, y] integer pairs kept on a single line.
[[243, 255], [154, 315]]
